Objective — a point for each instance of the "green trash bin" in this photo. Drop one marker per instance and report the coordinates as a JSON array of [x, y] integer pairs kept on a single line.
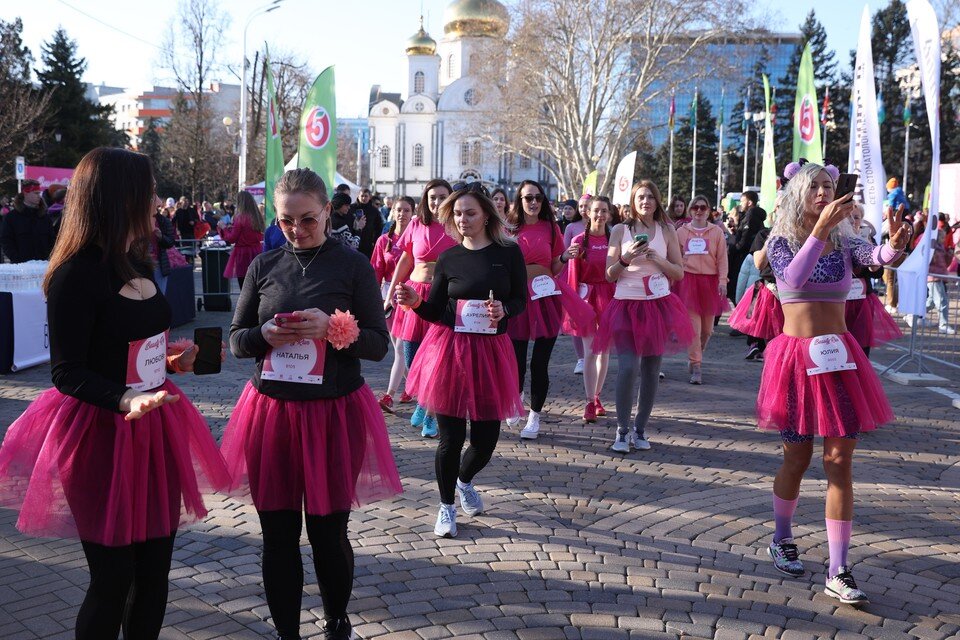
[[216, 288]]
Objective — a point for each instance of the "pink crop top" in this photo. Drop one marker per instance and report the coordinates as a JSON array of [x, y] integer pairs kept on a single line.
[[536, 245], [425, 243], [806, 276]]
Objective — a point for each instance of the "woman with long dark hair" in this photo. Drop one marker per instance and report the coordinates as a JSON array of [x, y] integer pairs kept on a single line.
[[541, 242], [478, 285], [646, 320], [422, 242], [245, 233], [114, 455], [307, 433], [386, 254]]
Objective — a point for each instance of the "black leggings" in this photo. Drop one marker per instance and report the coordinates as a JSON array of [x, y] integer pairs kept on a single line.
[[283, 567], [539, 368], [128, 589], [453, 433], [240, 282]]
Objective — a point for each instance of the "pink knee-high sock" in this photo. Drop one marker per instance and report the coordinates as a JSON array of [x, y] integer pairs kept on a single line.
[[783, 517], [838, 538]]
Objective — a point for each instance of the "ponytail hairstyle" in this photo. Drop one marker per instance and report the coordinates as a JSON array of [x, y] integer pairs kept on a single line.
[[610, 214], [422, 212], [393, 221]]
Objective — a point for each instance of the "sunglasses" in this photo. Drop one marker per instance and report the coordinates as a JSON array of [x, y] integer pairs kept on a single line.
[[699, 207], [307, 223], [532, 198]]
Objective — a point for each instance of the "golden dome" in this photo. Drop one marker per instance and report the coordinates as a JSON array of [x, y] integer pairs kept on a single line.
[[420, 43], [476, 18]]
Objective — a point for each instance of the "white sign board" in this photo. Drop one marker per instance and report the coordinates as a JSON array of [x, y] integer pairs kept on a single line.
[[21, 168]]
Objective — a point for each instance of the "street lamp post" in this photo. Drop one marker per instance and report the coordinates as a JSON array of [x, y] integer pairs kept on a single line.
[[242, 177]]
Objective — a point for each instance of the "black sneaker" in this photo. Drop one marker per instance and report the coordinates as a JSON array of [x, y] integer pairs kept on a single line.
[[735, 334], [753, 353], [338, 630]]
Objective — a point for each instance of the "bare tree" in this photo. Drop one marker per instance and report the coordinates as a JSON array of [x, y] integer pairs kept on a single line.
[[577, 77], [25, 110]]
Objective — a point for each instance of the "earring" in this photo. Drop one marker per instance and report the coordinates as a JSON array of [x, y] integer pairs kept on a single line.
[[486, 222]]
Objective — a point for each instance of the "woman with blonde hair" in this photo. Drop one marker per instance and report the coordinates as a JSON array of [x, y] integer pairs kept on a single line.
[[245, 233]]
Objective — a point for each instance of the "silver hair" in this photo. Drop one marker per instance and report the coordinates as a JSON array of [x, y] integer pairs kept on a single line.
[[789, 220]]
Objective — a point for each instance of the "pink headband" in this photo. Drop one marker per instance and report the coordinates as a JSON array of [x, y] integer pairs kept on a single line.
[[791, 169]]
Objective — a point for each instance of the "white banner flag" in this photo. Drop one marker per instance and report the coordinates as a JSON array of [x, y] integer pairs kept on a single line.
[[864, 158], [624, 181], [912, 276]]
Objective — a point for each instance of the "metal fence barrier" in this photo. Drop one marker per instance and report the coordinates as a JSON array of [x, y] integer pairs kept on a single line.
[[934, 337]]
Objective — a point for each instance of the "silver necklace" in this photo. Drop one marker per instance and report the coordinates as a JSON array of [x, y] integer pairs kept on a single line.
[[303, 268]]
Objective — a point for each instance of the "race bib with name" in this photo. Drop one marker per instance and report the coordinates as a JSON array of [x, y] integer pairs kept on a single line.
[[300, 362], [657, 285], [147, 362], [696, 246], [543, 286], [385, 290], [826, 354], [472, 317], [858, 289]]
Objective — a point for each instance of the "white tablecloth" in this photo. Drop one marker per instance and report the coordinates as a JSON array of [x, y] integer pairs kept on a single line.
[[31, 341]]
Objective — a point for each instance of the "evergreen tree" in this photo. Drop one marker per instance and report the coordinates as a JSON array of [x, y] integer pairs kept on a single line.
[[82, 124], [824, 75], [151, 144], [23, 109], [15, 58], [657, 164]]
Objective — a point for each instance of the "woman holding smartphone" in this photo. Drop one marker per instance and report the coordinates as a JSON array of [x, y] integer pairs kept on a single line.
[[386, 253], [114, 455], [816, 379], [478, 284], [307, 433], [645, 320], [422, 243]]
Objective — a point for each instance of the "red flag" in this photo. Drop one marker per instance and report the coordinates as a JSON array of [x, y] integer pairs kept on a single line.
[[826, 107]]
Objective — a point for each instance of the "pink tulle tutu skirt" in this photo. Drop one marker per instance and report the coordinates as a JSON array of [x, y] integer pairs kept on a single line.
[[700, 294], [644, 327], [599, 297], [77, 470], [239, 261], [758, 313], [324, 455], [543, 318], [832, 405], [466, 375], [869, 323], [407, 325]]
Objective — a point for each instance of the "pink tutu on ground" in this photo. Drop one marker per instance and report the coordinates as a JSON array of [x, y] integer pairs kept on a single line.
[[407, 325], [478, 373], [758, 314], [78, 470], [700, 294], [832, 405], [599, 297], [330, 454], [869, 323], [644, 327], [239, 261], [544, 317]]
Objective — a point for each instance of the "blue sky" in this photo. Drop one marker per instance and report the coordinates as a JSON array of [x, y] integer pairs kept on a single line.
[[363, 38]]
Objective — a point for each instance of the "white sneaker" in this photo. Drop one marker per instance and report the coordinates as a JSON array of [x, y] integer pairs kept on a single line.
[[947, 329], [513, 421], [890, 309], [470, 500], [639, 442], [621, 444], [446, 526], [578, 368], [530, 431]]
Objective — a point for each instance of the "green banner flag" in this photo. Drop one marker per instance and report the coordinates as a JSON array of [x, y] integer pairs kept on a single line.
[[318, 129], [693, 107], [274, 146], [590, 183], [768, 179], [806, 120]]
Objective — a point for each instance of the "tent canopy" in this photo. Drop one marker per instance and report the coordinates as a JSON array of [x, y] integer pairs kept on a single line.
[[256, 190]]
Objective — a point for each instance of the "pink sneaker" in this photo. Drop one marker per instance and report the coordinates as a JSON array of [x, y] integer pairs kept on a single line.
[[386, 403], [600, 410], [405, 398], [590, 413]]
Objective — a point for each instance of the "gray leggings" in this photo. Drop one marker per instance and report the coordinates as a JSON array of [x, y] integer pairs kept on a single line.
[[629, 368]]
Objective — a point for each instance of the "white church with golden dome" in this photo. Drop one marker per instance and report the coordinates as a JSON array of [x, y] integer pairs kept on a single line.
[[438, 131]]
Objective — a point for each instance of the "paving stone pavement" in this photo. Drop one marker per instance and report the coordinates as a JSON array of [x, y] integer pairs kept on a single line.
[[577, 542]]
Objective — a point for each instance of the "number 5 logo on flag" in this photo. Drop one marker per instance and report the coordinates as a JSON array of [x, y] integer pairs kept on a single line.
[[316, 128]]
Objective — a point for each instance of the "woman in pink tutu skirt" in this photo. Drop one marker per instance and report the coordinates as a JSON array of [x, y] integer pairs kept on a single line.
[[867, 320], [422, 242], [703, 288], [307, 433], [386, 254], [114, 455], [759, 315], [816, 379], [246, 235], [478, 284], [645, 320], [541, 242], [586, 273]]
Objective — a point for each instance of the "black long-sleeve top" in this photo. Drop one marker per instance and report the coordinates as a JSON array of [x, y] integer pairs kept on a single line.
[[91, 326], [466, 274], [336, 278]]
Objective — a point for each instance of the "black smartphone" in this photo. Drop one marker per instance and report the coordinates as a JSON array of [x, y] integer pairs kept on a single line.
[[846, 183], [208, 341]]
